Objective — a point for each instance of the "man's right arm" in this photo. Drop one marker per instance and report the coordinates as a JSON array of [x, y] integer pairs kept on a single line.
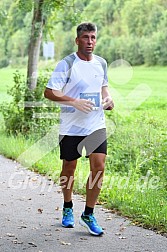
[[58, 96]]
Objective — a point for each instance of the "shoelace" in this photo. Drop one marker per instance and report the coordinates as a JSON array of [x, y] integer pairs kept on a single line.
[[91, 218], [67, 213]]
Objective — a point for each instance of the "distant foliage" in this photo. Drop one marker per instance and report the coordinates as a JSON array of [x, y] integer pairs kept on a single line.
[[122, 47], [133, 30]]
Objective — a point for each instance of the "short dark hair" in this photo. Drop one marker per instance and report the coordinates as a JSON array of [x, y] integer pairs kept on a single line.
[[85, 27]]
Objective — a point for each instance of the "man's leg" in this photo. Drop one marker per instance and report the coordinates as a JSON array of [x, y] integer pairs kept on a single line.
[[93, 187], [67, 178], [67, 182]]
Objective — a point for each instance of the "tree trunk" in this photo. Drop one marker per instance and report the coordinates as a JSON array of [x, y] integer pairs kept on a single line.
[[33, 56], [34, 46]]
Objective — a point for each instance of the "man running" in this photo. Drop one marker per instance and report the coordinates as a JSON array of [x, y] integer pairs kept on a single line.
[[79, 83]]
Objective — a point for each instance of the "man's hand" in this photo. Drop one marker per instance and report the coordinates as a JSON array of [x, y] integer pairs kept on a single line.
[[108, 103], [83, 105]]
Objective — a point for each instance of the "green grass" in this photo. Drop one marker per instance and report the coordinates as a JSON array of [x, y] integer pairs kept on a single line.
[[153, 76], [136, 169]]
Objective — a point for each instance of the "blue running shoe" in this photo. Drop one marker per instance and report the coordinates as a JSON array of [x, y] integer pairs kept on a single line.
[[68, 218], [89, 221]]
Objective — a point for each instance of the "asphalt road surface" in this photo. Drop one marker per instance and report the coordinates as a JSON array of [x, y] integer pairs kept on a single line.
[[30, 218]]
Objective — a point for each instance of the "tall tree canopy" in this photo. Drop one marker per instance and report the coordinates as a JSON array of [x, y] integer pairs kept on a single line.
[[134, 30]]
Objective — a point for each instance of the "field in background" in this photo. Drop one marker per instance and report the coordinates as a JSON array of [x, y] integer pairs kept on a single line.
[[136, 171], [155, 77]]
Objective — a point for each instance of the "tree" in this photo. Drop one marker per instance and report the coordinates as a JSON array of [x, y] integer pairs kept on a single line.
[[43, 11], [35, 42], [141, 18]]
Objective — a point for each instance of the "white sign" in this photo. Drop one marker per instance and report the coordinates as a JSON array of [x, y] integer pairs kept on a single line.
[[48, 50]]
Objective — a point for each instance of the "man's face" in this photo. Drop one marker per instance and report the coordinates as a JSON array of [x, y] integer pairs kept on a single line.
[[86, 42]]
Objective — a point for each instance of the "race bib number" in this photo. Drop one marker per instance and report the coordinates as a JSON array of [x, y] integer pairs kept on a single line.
[[93, 97]]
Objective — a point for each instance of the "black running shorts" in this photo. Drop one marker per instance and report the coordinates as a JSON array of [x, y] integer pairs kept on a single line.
[[71, 146]]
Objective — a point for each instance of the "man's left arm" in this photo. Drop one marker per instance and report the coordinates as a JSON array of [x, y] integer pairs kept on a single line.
[[107, 100]]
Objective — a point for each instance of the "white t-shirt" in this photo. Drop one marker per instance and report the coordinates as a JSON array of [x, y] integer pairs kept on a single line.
[[86, 80]]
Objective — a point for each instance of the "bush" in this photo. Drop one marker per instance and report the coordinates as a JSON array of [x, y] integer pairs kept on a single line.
[[131, 50], [28, 112], [4, 62], [162, 41], [154, 49], [151, 50], [128, 48], [13, 114], [106, 48]]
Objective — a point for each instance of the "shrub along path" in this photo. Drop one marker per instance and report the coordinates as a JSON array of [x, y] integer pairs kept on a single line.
[[30, 217]]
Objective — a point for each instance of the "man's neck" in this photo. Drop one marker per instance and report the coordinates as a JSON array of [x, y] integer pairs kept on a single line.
[[84, 57]]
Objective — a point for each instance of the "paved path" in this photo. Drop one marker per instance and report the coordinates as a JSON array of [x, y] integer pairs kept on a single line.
[[30, 216]]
